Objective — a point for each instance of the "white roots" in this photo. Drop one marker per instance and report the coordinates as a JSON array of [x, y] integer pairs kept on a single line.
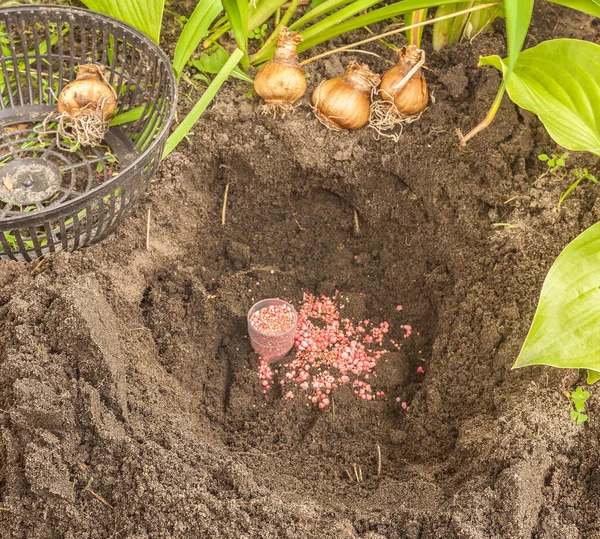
[[87, 129], [386, 117], [273, 108]]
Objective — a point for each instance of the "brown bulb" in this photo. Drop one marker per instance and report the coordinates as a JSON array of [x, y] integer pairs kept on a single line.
[[281, 82], [412, 96], [344, 102], [88, 93]]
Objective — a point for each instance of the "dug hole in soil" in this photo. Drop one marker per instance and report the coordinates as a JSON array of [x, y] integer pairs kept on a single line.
[[130, 368]]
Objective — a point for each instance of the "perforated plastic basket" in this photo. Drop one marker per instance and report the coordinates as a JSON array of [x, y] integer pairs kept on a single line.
[[52, 199]]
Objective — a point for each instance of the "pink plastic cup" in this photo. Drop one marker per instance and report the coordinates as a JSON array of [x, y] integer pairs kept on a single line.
[[270, 343]]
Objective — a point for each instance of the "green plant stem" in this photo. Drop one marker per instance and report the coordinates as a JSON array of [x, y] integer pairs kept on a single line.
[[188, 122], [275, 34], [489, 118], [257, 16], [397, 31]]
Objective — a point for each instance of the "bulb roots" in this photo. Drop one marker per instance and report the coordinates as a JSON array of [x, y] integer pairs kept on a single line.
[[386, 117], [403, 95], [278, 107], [71, 132]]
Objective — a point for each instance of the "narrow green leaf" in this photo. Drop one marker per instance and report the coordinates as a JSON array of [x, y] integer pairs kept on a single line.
[[587, 6], [565, 332], [341, 15], [457, 24], [339, 22], [129, 116], [261, 11], [414, 36], [188, 122], [145, 15], [558, 81], [441, 29], [195, 30], [315, 13], [237, 13], [518, 15], [479, 21]]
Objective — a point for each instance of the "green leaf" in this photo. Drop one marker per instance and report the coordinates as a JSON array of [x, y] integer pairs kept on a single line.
[[574, 415], [481, 20], [579, 397], [566, 326], [581, 418], [343, 21], [317, 11], [195, 30], [145, 15], [414, 17], [129, 116], [237, 13], [188, 122], [587, 6], [442, 29], [559, 81], [592, 377], [543, 157], [518, 15], [214, 63]]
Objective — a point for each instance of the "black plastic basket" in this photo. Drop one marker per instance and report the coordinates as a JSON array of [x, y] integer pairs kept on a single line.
[[52, 199]]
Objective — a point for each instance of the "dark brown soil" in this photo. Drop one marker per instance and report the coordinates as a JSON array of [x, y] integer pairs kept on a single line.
[[131, 367]]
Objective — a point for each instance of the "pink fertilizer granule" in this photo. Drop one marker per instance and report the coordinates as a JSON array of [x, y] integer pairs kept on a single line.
[[274, 319], [330, 351]]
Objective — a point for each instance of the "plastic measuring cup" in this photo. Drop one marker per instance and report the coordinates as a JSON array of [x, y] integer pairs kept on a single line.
[[273, 343]]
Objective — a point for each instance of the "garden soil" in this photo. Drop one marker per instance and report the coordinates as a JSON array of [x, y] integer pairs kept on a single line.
[[129, 400]]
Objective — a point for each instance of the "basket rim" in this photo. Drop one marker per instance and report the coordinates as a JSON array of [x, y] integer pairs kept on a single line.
[[32, 218]]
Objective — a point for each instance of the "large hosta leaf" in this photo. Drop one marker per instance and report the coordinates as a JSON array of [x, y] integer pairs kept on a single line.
[[559, 80], [566, 327], [587, 6], [145, 15]]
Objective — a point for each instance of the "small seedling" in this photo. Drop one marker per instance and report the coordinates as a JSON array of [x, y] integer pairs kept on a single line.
[[581, 174], [259, 34], [578, 398], [554, 162]]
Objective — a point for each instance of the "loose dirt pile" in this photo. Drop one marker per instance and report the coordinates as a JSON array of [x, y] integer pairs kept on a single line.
[[131, 367]]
